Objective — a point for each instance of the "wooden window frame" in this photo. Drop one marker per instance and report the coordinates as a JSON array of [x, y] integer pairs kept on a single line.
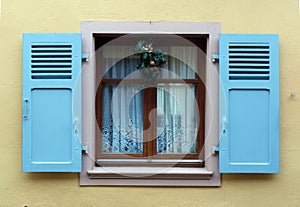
[[149, 103]]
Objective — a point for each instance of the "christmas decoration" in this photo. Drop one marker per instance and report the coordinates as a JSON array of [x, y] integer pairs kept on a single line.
[[150, 61], [149, 56]]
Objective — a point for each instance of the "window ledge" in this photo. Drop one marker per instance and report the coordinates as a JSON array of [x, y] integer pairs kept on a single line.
[[170, 173]]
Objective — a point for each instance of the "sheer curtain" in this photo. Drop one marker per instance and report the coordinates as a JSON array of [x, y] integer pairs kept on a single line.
[[122, 105], [177, 125], [177, 106], [177, 120]]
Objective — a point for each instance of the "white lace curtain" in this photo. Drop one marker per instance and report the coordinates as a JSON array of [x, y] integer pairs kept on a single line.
[[122, 109]]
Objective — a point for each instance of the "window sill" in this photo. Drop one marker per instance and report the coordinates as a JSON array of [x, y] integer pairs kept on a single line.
[[133, 173]]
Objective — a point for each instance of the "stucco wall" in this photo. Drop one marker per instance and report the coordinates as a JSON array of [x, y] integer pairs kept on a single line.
[[236, 16]]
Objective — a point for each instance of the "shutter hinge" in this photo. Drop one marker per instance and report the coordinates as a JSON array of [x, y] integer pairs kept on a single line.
[[215, 149], [215, 57], [84, 148], [85, 57]]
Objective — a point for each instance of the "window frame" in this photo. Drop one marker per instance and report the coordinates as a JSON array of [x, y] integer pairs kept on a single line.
[[139, 176], [150, 146]]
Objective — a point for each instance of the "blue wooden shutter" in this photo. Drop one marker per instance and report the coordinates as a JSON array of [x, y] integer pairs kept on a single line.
[[51, 102], [249, 103]]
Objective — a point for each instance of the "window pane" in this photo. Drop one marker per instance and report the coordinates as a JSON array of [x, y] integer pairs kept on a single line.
[[182, 63], [177, 118], [118, 62], [122, 118]]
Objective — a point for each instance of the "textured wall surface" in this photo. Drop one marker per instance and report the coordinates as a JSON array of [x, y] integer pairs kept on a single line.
[[236, 16]]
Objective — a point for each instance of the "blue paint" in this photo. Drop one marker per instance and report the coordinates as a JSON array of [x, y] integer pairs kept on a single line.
[[51, 103], [249, 103]]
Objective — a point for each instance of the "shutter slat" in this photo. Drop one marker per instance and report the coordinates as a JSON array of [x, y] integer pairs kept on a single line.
[[249, 70], [248, 75], [250, 60], [51, 55], [34, 70], [259, 50], [248, 55], [49, 59], [247, 64], [56, 63], [63, 48], [247, 44]]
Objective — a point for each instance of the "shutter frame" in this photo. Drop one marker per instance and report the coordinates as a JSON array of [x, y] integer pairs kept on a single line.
[[51, 102], [248, 127]]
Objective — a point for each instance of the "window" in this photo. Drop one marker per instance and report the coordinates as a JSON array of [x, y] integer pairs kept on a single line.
[[154, 156], [121, 123], [173, 93]]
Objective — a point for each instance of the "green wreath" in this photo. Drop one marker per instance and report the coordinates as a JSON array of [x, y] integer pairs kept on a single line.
[[149, 57]]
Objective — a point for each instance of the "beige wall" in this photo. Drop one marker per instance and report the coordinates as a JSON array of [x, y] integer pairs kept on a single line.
[[236, 16]]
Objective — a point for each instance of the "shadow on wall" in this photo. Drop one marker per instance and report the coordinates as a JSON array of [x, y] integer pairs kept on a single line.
[[246, 178], [53, 177], [242, 179]]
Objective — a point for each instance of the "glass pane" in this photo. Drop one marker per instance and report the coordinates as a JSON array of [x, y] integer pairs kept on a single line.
[[177, 118], [118, 62], [182, 63], [122, 118]]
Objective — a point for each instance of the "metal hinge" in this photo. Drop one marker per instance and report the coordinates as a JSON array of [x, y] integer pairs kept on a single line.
[[215, 57], [85, 57], [215, 149], [84, 149]]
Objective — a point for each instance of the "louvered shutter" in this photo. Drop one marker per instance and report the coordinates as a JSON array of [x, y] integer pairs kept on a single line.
[[249, 103], [51, 103]]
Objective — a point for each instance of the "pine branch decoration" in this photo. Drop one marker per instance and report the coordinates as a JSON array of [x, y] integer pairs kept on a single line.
[[149, 56]]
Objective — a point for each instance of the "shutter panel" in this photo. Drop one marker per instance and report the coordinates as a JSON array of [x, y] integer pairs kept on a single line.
[[51, 102], [249, 103]]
